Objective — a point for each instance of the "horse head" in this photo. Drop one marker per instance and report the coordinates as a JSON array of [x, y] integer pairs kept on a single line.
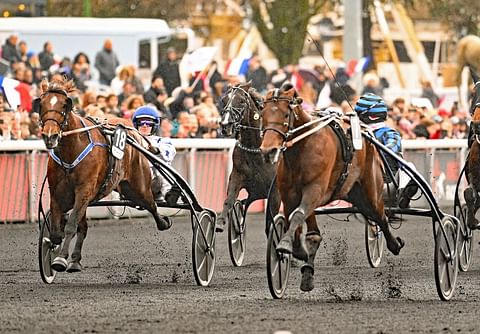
[[54, 106], [281, 113], [238, 106]]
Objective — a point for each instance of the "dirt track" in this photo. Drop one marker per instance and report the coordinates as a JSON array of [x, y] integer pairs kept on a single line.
[[136, 279]]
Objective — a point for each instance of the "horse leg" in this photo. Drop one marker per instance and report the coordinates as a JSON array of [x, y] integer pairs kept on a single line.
[[74, 265], [312, 196], [471, 199], [234, 186], [312, 241], [372, 207], [78, 213], [56, 223], [146, 201]]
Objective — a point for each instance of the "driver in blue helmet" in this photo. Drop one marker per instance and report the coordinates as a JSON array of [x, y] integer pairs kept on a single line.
[[372, 110], [147, 120]]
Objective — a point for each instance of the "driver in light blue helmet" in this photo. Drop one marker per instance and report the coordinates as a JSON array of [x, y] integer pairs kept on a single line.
[[372, 110], [147, 120]]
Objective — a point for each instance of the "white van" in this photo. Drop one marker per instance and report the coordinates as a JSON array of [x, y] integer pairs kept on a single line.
[[141, 42]]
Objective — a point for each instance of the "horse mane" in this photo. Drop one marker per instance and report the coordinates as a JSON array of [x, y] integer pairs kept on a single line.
[[56, 84], [256, 97]]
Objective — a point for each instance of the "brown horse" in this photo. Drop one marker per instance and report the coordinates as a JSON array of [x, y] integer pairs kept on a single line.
[[80, 170], [472, 170], [312, 172], [468, 54]]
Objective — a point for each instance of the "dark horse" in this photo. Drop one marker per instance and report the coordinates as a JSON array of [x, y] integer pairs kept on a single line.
[[472, 170], [241, 118], [312, 172], [80, 170]]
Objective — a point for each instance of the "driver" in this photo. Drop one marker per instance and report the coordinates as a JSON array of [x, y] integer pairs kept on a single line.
[[147, 120], [372, 110]]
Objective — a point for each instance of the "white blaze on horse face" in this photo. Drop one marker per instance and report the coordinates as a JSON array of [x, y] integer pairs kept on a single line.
[[53, 101], [226, 118]]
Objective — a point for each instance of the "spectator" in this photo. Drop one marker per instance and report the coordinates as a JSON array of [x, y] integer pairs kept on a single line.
[[111, 108], [428, 92], [156, 87], [122, 75], [208, 118], [214, 76], [128, 89], [81, 71], [34, 126], [257, 74], [46, 57], [133, 102], [169, 71], [23, 52], [106, 62], [9, 49], [371, 83], [89, 98], [181, 100]]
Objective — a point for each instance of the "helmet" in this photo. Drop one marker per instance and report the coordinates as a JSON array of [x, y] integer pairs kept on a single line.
[[371, 108], [146, 112]]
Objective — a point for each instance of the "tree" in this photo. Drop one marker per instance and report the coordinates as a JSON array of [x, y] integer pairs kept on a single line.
[[283, 25], [462, 16]]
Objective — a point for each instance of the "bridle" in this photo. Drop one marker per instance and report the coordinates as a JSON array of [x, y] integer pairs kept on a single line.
[[64, 113], [238, 113], [292, 115]]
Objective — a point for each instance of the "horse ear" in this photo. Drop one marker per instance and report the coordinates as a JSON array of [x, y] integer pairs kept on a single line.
[[36, 105], [69, 104], [474, 75]]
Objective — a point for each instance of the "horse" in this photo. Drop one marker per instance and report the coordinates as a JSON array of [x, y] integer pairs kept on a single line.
[[468, 54], [80, 170], [241, 119], [313, 170], [472, 170]]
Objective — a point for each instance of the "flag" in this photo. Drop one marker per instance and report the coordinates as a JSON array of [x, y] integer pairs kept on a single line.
[[199, 59], [237, 66], [357, 65], [17, 93]]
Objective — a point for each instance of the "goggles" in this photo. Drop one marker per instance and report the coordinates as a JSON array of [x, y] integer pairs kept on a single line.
[[146, 123]]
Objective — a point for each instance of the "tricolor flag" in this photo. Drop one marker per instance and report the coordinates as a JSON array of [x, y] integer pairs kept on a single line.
[[357, 65], [17, 93], [237, 66]]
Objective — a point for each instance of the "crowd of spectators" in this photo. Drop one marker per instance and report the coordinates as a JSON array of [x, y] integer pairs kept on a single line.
[[194, 111]]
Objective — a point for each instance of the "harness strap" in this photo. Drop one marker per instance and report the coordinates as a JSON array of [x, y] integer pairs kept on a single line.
[[347, 155], [292, 142], [81, 156]]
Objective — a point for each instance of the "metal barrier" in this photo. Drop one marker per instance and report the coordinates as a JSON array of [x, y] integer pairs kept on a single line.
[[206, 165]]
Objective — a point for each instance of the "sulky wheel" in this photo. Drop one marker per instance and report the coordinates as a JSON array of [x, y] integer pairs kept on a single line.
[[374, 243], [465, 243], [278, 264], [203, 249], [237, 241], [445, 258], [46, 251]]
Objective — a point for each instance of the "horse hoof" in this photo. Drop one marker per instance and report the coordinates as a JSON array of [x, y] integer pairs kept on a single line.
[[164, 223], [59, 264], [284, 246], [307, 279], [74, 267]]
